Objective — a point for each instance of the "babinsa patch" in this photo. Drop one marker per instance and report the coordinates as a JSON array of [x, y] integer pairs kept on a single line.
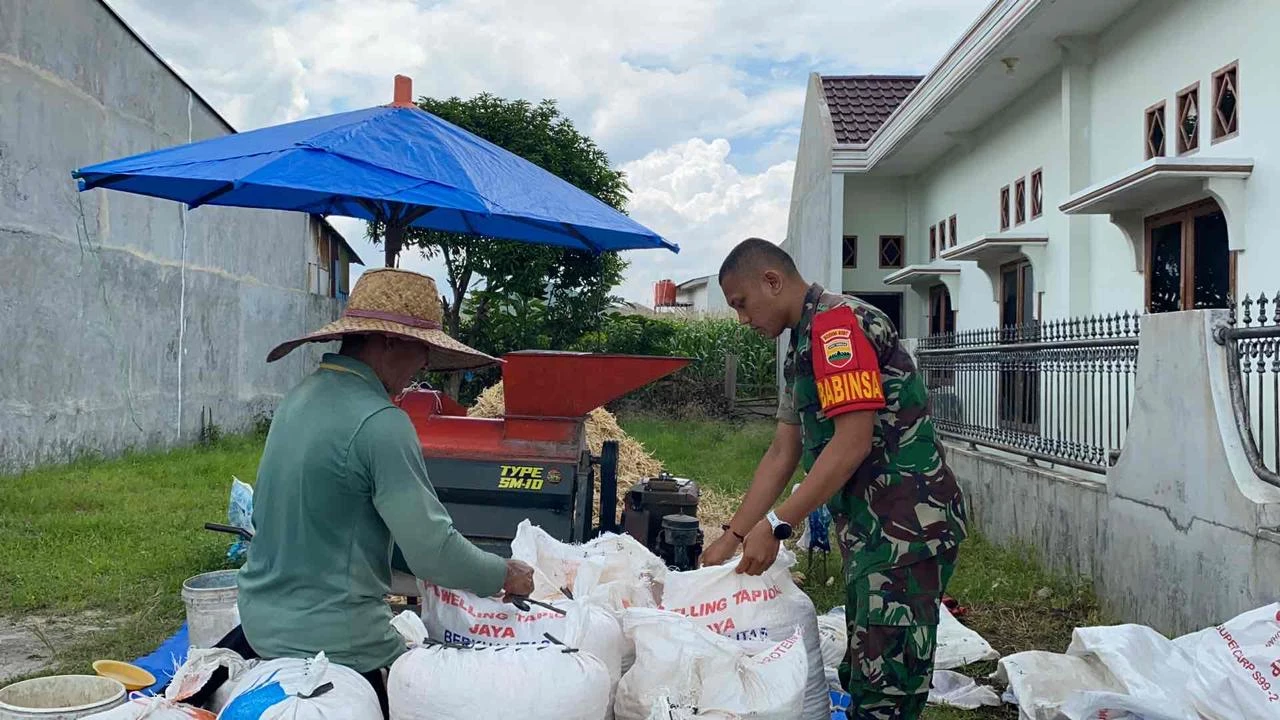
[[837, 346]]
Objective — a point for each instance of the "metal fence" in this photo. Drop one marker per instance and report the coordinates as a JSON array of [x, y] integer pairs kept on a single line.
[[1252, 341], [1058, 391]]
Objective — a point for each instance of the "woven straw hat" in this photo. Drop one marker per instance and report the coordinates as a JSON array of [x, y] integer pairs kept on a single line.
[[404, 304]]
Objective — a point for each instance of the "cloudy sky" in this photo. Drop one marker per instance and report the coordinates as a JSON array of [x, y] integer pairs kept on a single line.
[[698, 101]]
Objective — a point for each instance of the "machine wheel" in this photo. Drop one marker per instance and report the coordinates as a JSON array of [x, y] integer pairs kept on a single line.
[[608, 463]]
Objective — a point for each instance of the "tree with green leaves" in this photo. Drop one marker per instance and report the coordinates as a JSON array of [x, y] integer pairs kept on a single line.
[[509, 295]]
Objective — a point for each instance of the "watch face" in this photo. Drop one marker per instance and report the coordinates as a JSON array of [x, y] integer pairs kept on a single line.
[[782, 531]]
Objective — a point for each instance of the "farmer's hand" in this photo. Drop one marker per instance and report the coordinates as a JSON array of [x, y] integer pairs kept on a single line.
[[759, 550], [519, 580], [719, 551]]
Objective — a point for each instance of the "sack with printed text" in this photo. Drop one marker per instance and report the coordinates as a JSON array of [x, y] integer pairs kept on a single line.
[[433, 681], [763, 608], [296, 689], [1236, 666], [686, 671], [461, 618]]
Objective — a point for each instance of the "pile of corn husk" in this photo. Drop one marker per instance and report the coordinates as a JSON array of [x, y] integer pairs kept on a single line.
[[634, 461]]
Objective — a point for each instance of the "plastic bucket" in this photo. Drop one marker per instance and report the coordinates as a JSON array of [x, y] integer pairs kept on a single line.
[[211, 607], [60, 697]]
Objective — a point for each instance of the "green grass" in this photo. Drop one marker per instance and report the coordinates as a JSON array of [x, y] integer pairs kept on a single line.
[[719, 455], [120, 536]]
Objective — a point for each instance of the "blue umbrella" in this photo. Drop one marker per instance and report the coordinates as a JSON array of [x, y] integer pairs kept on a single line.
[[395, 164]]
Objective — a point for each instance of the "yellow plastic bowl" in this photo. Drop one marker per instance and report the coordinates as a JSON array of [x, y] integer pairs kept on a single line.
[[131, 676]]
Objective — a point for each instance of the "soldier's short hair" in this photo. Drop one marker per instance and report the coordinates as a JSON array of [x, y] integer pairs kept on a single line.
[[757, 253]]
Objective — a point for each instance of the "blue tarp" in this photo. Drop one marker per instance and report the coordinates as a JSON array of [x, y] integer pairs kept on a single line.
[[165, 659], [386, 163]]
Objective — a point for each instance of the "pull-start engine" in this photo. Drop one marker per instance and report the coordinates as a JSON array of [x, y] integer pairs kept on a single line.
[[662, 513]]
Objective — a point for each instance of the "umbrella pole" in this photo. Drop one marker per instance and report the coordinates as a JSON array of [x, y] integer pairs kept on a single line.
[[393, 239]]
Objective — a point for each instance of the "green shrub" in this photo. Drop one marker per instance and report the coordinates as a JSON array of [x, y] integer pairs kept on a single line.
[[697, 390]]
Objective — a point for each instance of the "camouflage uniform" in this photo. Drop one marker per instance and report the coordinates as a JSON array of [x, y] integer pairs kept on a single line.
[[900, 518]]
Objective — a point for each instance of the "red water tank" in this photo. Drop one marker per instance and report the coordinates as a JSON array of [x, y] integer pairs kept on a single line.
[[664, 294], [668, 293]]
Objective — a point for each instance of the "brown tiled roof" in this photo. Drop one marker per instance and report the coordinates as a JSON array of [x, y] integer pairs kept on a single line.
[[859, 104]]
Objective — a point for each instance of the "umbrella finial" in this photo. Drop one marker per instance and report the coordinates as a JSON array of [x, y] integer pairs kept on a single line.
[[404, 92]]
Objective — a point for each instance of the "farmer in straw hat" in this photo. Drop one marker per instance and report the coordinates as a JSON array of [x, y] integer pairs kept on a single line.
[[342, 478]]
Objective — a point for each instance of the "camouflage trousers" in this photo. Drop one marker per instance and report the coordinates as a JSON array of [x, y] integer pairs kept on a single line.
[[893, 633]]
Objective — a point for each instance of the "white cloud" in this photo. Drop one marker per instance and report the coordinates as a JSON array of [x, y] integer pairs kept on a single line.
[[691, 194], [637, 76]]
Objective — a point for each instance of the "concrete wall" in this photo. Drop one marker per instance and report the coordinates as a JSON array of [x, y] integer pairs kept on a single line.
[[1181, 533], [125, 316], [811, 239], [810, 230]]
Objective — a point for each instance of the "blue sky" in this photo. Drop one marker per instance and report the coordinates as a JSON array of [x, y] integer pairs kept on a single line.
[[698, 102]]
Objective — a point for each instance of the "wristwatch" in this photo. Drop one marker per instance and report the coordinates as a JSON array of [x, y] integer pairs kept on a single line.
[[781, 530]]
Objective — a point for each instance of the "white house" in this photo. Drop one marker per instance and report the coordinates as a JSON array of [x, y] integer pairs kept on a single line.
[[1062, 159]]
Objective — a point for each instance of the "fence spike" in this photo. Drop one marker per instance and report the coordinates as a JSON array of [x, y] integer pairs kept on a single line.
[[1231, 310], [1262, 308], [1248, 306], [1275, 320]]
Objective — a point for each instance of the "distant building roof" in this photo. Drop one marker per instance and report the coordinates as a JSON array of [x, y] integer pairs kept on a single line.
[[859, 104], [694, 282]]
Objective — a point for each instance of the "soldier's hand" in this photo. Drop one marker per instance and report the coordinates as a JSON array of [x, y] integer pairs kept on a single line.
[[519, 581], [719, 551], [759, 551]]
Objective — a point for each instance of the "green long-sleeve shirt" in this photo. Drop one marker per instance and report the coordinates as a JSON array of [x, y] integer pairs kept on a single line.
[[341, 481]]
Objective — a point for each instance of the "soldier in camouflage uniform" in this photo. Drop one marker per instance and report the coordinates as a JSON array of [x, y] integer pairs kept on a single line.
[[855, 409]]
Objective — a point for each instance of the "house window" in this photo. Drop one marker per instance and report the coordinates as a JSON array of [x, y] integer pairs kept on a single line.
[[891, 251], [1020, 200], [1037, 194], [1226, 98], [942, 318], [1154, 131], [942, 236], [1189, 119], [1004, 208], [942, 321], [888, 303], [933, 242], [1189, 264], [952, 223], [1018, 389], [850, 251]]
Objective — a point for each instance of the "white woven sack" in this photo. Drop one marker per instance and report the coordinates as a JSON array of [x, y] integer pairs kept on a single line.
[[761, 608], [462, 618], [448, 682], [140, 707], [295, 689], [615, 570], [680, 665]]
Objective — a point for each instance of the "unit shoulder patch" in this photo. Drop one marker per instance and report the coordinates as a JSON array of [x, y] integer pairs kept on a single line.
[[845, 366]]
